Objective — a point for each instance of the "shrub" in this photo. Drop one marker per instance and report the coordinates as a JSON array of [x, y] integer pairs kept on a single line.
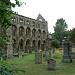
[[4, 71], [57, 54], [55, 43]]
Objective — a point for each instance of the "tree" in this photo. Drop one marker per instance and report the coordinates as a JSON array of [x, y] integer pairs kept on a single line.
[[55, 43], [5, 18], [60, 29], [72, 35]]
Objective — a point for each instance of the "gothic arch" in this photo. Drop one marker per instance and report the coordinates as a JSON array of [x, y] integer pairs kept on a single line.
[[21, 42], [44, 41], [28, 31], [28, 42], [39, 44], [34, 32], [44, 33], [21, 30], [43, 45], [39, 32], [33, 43]]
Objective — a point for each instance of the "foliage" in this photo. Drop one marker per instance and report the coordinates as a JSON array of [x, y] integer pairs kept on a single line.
[[55, 43], [72, 35], [60, 29], [5, 71], [57, 54], [5, 19], [5, 12]]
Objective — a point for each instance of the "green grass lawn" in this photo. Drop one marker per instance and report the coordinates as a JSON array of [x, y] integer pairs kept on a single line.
[[27, 66]]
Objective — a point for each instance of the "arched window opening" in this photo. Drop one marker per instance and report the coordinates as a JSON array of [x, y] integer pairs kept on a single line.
[[39, 44], [33, 32], [27, 22], [21, 20], [14, 30], [44, 33], [21, 44], [39, 33], [21, 31], [28, 31], [44, 42], [14, 19], [28, 42]]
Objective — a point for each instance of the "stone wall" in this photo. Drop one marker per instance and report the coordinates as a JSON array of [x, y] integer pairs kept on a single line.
[[29, 32]]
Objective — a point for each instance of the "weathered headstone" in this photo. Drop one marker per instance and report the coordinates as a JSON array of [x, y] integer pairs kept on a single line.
[[51, 64], [66, 54], [30, 49], [47, 55], [38, 57], [20, 54]]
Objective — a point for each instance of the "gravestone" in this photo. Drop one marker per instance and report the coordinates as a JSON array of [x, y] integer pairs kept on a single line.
[[66, 53], [51, 64], [20, 54], [38, 57], [30, 49], [47, 55]]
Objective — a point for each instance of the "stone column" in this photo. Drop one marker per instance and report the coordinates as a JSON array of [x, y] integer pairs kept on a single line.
[[66, 53], [30, 48], [9, 48]]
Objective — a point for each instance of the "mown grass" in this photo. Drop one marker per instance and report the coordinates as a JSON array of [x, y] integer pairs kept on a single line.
[[27, 66]]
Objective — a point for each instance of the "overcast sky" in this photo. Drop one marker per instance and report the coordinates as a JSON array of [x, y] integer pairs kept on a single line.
[[51, 10]]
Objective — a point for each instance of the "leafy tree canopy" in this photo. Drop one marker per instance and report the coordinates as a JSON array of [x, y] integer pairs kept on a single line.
[[60, 29], [5, 17], [72, 35], [5, 12]]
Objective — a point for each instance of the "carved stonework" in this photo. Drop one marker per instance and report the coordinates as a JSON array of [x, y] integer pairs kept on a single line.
[[28, 29]]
